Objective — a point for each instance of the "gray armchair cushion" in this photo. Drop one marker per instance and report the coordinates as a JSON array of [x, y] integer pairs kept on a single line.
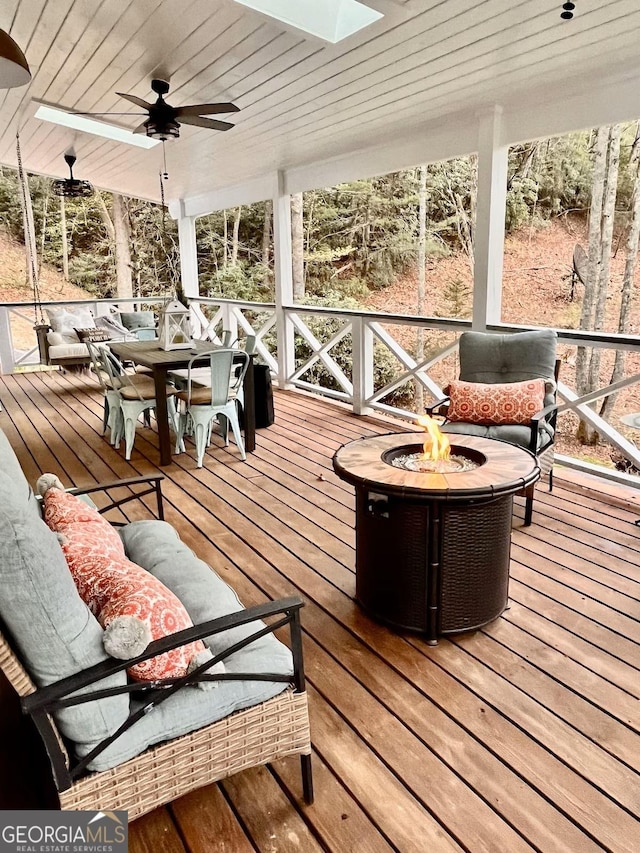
[[513, 433], [488, 357]]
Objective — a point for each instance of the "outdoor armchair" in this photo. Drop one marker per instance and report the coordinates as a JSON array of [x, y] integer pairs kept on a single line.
[[501, 375]]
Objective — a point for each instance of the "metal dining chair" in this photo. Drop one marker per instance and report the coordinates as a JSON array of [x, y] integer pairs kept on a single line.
[[201, 403], [129, 396], [112, 411]]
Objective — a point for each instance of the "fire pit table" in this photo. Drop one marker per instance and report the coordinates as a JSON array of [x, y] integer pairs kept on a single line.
[[433, 549]]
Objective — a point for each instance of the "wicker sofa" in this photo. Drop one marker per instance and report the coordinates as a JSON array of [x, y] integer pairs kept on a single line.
[[118, 744]]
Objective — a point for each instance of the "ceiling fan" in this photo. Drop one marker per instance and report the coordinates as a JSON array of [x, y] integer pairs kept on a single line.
[[163, 121]]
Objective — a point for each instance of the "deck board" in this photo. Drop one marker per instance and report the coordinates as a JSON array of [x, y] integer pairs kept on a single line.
[[521, 736]]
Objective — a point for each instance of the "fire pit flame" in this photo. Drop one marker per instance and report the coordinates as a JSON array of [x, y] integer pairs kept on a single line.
[[436, 444], [436, 454]]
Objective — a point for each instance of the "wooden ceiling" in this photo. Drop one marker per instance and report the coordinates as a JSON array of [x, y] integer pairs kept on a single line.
[[302, 101]]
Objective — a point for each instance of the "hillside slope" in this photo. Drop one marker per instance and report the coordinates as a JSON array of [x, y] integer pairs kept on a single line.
[[14, 285]]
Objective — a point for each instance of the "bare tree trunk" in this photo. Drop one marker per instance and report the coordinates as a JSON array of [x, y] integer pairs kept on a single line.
[[297, 245], [473, 207], [633, 239], [465, 219], [422, 259], [595, 259], [122, 230], [65, 241], [225, 240], [608, 214], [106, 218], [266, 234], [236, 231]]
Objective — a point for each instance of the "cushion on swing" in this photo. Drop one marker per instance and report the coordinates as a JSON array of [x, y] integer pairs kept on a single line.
[[133, 320], [65, 321]]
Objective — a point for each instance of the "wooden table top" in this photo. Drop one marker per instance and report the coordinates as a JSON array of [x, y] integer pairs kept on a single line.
[[151, 354], [503, 469]]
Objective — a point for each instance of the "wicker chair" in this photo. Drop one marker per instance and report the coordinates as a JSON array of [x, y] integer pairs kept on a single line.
[[255, 735], [493, 358]]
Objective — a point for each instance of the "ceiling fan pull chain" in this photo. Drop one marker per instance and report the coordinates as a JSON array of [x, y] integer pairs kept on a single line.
[[164, 176]]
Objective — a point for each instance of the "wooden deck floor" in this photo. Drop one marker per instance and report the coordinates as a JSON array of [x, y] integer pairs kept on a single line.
[[522, 736]]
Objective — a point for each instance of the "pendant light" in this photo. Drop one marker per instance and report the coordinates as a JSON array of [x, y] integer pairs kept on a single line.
[[14, 70], [71, 187]]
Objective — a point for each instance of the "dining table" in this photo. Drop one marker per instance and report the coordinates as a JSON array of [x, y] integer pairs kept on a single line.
[[160, 362]]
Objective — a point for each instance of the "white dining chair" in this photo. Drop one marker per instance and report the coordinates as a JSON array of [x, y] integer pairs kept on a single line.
[[129, 395], [215, 398]]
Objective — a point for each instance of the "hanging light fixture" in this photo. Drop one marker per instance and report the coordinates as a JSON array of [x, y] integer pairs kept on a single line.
[[71, 187], [14, 70]]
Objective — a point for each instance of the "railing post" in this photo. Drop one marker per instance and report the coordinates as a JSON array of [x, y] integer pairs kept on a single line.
[[283, 280], [7, 362], [229, 320], [362, 357]]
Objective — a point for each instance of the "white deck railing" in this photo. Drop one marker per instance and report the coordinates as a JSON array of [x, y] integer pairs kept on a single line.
[[359, 334]]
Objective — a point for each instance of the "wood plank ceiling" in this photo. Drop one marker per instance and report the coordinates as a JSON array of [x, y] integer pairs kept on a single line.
[[301, 100]]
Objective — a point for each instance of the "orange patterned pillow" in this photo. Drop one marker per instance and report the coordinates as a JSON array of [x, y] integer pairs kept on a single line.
[[491, 404], [113, 587]]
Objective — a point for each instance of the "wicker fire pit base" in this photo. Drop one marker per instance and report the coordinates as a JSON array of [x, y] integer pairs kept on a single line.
[[432, 550]]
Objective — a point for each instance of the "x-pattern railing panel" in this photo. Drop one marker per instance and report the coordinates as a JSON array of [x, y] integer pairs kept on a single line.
[[320, 352]]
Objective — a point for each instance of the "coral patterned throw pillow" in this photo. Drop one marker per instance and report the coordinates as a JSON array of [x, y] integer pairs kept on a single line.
[[495, 404], [123, 596]]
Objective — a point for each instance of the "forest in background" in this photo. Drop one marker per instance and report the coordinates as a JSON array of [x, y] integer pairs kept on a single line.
[[354, 243]]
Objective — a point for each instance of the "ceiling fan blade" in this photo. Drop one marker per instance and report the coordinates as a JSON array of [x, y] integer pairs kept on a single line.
[[206, 109], [135, 100], [141, 128], [211, 123], [108, 114]]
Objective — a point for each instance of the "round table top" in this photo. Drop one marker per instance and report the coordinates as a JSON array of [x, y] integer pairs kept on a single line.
[[505, 470], [632, 420]]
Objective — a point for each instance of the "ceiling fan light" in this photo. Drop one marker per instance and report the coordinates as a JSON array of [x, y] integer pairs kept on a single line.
[[14, 70], [71, 187], [164, 130]]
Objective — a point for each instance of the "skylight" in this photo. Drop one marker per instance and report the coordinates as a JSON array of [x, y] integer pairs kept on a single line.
[[331, 20], [98, 128]]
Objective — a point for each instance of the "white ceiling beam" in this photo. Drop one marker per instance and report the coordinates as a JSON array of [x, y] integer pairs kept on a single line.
[[257, 189], [592, 103]]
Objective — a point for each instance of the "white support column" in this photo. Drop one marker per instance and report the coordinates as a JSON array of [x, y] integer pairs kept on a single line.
[[362, 378], [489, 225], [7, 361], [188, 254], [283, 280]]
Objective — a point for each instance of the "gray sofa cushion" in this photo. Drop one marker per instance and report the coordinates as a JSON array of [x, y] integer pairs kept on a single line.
[[22, 491], [155, 546], [51, 627], [132, 320]]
